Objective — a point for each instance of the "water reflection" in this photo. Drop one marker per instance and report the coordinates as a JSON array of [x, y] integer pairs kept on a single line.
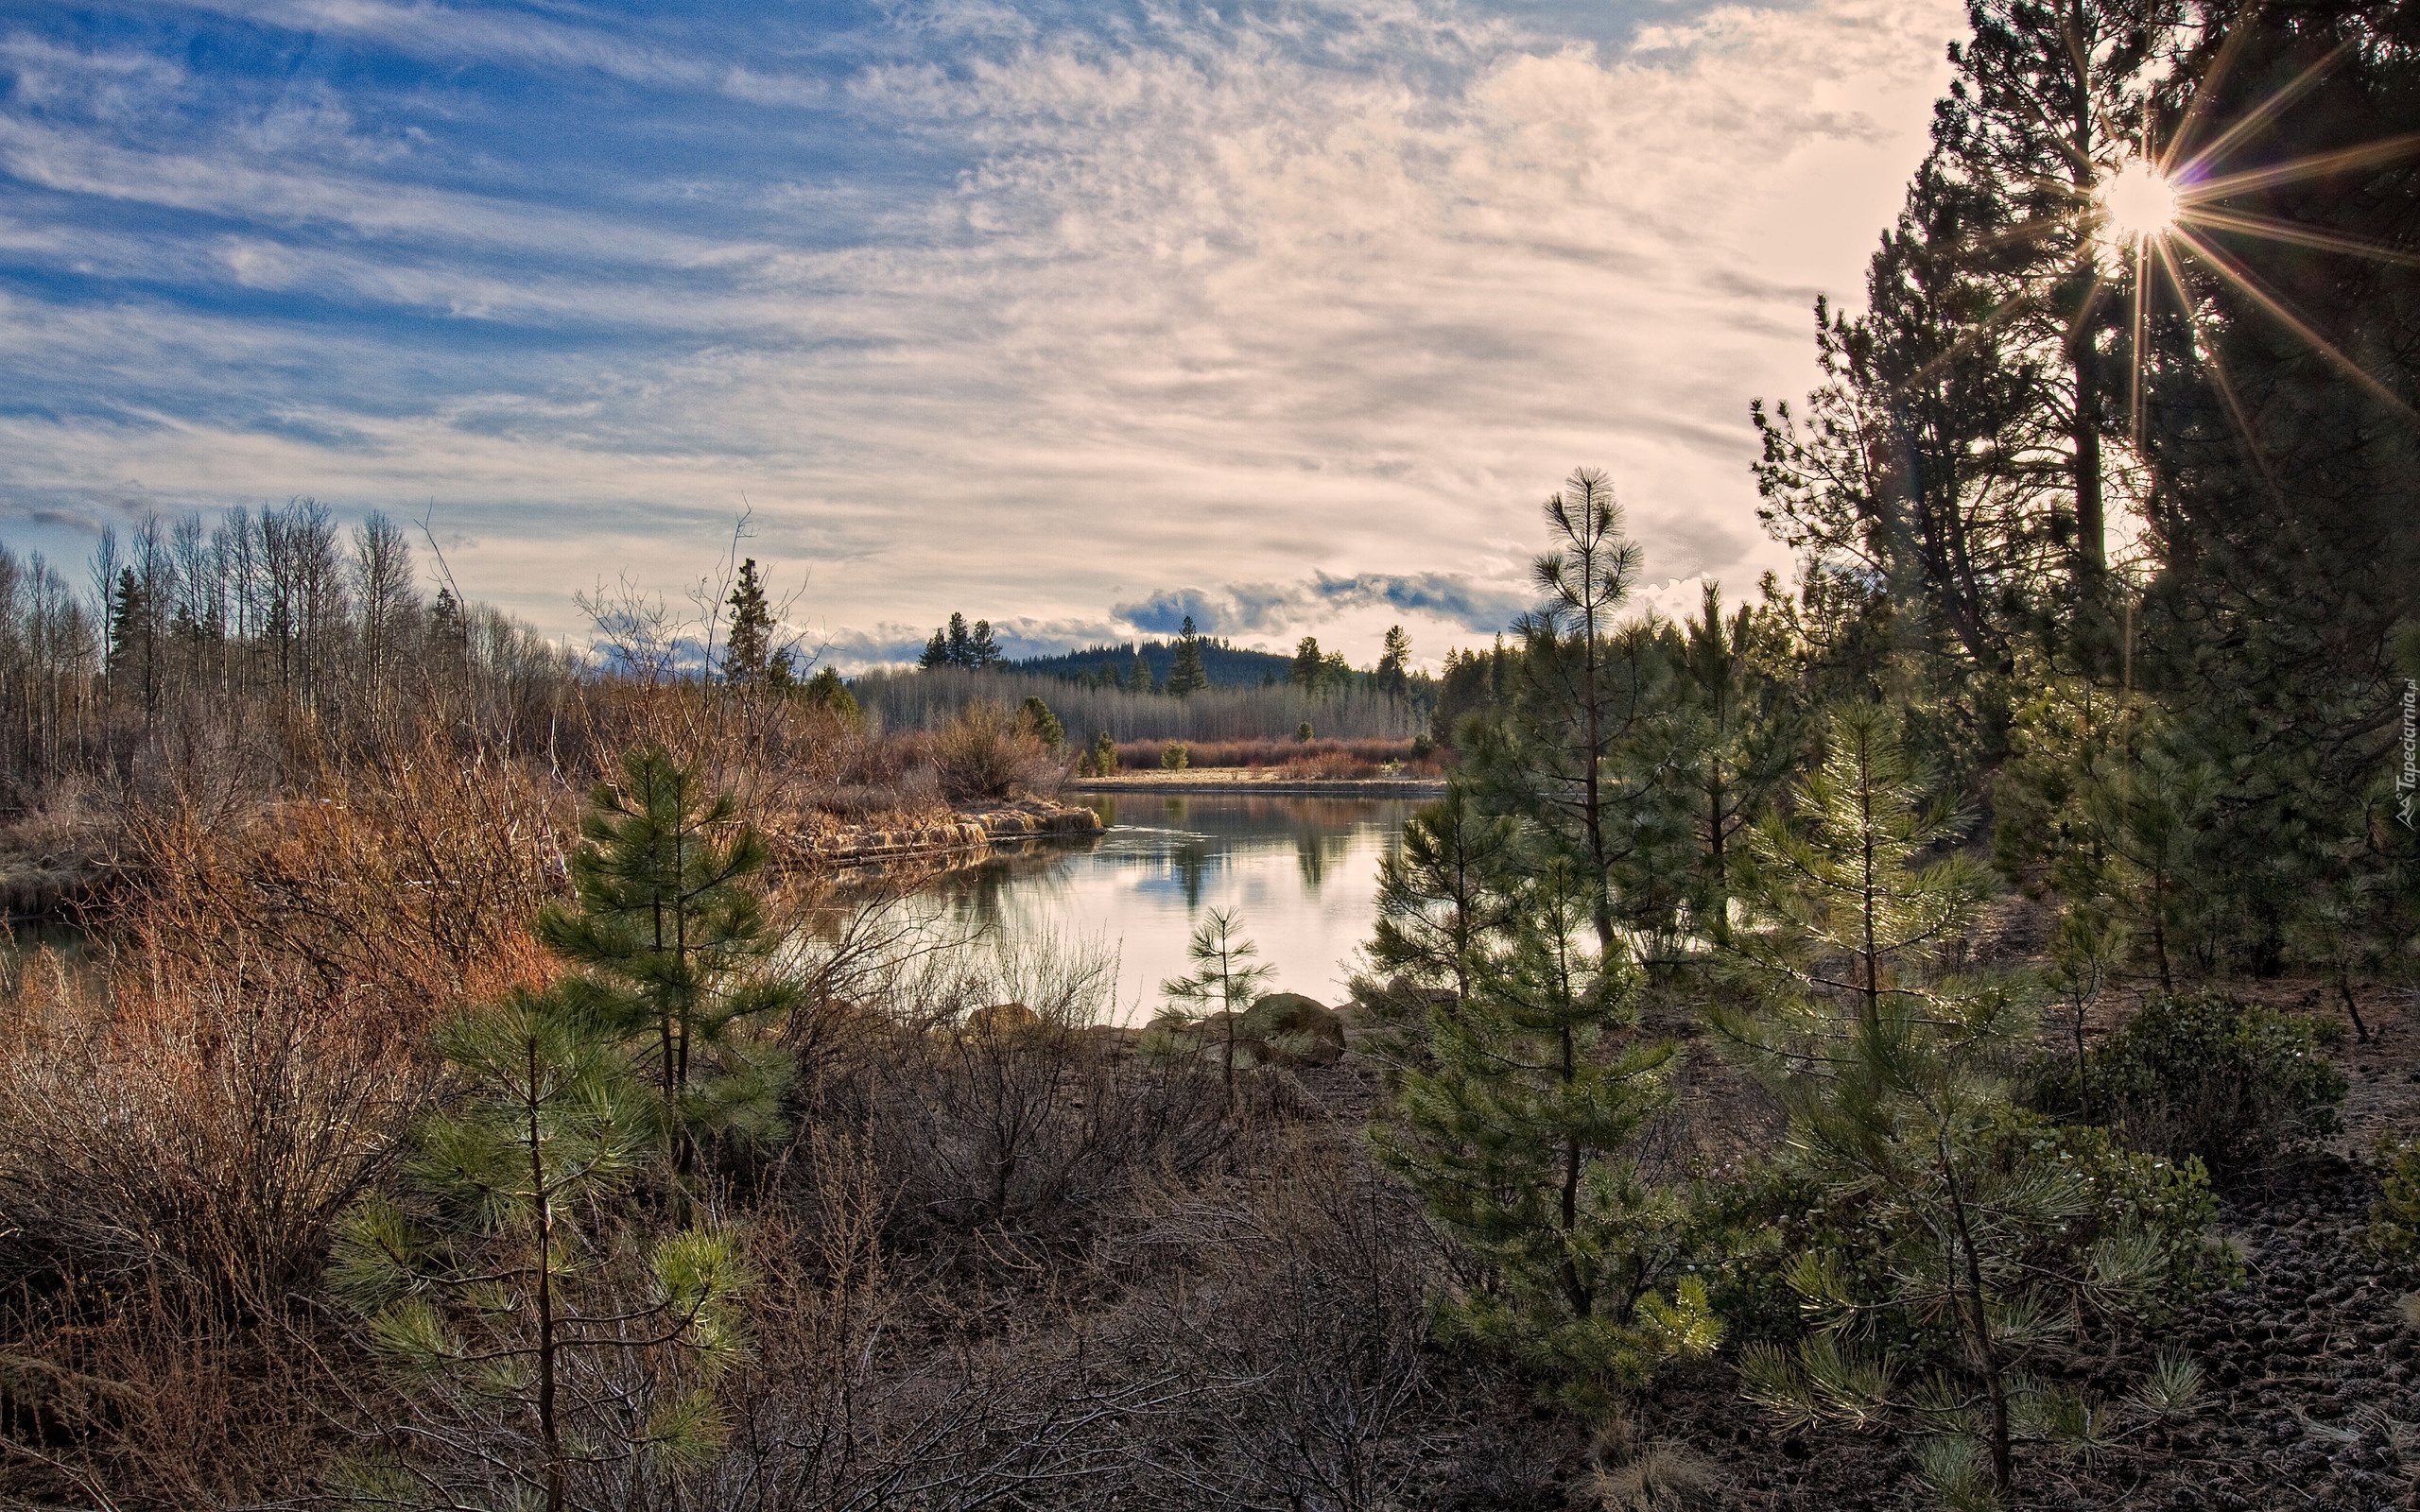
[[1300, 872]]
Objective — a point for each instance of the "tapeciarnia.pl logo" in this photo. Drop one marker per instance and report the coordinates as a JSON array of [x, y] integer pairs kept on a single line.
[[2407, 782]]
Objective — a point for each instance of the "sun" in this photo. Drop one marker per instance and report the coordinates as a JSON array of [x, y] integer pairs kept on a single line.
[[2137, 203]]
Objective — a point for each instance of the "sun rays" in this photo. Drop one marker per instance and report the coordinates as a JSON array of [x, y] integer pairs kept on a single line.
[[2161, 230], [2136, 202]]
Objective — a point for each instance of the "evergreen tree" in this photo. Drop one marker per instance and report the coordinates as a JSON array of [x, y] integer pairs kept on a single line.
[[1226, 977], [448, 630], [982, 652], [1138, 674], [537, 1348], [1035, 719], [675, 943], [1963, 1244], [2280, 384], [1105, 754], [1309, 664], [1472, 682], [1518, 1135], [1449, 895], [749, 655], [1574, 751], [1395, 663], [2036, 119], [2100, 802], [826, 691], [1186, 676], [1739, 737], [958, 642], [133, 650], [936, 653], [1840, 918]]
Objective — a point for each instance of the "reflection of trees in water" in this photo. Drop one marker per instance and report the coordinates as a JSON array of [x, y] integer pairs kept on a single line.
[[979, 890], [1192, 861], [1315, 850]]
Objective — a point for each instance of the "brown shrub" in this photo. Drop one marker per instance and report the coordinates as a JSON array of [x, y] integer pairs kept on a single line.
[[191, 1133], [983, 755]]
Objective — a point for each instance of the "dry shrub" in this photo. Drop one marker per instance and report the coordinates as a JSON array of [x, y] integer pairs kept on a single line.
[[865, 1390], [1025, 1135], [1330, 765], [1249, 1340], [412, 878], [982, 754], [181, 1412], [1292, 1298], [176, 1145], [779, 753], [1662, 1477], [191, 1133]]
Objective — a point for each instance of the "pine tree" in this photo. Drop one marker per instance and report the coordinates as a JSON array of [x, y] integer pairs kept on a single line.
[[1307, 664], [1575, 751], [1517, 1136], [982, 652], [1395, 663], [675, 944], [749, 657], [1138, 674], [1034, 719], [958, 642], [133, 650], [1449, 895], [535, 1346], [1186, 676], [2103, 803], [2044, 97], [1227, 974], [936, 653], [826, 691], [1739, 738], [1964, 1243], [1105, 754], [1840, 912]]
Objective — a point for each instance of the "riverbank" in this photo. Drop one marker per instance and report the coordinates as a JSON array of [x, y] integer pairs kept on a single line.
[[1260, 781], [958, 832]]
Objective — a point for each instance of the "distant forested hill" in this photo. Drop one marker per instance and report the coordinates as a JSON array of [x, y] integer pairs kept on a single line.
[[1228, 666]]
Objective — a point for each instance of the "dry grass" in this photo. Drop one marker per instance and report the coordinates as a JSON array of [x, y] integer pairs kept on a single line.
[[1317, 758]]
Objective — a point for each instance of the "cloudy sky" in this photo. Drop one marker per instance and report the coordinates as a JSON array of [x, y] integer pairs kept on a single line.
[[1079, 317]]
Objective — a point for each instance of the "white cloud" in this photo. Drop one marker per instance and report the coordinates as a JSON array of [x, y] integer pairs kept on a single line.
[[1213, 304]]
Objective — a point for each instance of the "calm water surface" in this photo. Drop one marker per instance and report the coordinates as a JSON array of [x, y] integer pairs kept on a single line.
[[1301, 872]]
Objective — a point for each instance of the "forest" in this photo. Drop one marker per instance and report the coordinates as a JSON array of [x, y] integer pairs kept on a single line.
[[1935, 1032]]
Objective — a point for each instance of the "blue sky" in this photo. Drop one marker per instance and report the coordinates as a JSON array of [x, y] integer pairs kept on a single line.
[[1076, 317]]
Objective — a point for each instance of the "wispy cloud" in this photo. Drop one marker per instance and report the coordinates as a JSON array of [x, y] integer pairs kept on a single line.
[[1026, 311]]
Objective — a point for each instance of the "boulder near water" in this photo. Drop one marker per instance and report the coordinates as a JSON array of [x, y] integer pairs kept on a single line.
[[1294, 1030]]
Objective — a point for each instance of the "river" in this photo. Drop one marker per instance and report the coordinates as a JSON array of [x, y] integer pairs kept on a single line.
[[1300, 873]]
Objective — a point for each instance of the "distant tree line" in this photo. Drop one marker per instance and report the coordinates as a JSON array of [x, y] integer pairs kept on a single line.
[[898, 700], [188, 623]]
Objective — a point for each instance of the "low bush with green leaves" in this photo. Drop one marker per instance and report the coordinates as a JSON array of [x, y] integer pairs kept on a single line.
[[2393, 1235], [2208, 1076]]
